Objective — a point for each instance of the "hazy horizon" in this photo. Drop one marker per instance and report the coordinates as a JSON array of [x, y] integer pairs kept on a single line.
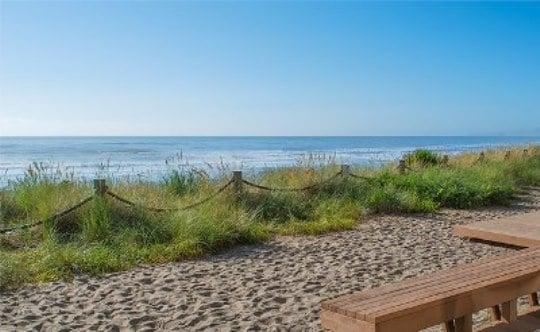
[[269, 69], [248, 136]]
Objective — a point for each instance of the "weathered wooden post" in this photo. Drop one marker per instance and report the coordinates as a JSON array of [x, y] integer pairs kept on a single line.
[[100, 187], [345, 170], [238, 185], [401, 166], [481, 157]]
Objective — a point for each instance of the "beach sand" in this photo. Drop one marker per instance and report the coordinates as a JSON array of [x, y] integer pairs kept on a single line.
[[273, 286]]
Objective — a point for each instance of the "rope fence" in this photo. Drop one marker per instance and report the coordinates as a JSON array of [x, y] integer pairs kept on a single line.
[[101, 189], [237, 182]]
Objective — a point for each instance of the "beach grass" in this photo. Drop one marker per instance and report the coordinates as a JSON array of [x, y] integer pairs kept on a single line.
[[106, 235]]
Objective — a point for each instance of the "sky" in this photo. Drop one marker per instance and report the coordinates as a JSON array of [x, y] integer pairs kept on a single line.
[[269, 68]]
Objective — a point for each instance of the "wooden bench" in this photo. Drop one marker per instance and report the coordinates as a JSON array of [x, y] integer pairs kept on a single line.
[[448, 297]]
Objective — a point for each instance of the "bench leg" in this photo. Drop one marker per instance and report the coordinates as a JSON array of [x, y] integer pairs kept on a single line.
[[509, 310], [533, 299], [464, 324], [496, 313], [460, 324], [449, 326]]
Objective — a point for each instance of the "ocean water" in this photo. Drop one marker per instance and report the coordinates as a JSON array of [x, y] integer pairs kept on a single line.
[[151, 157]]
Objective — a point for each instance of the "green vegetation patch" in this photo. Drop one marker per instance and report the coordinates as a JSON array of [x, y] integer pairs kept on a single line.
[[106, 235]]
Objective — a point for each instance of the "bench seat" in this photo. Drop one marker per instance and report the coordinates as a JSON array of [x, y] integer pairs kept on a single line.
[[449, 296]]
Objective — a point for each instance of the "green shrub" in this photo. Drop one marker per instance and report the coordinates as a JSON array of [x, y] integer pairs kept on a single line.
[[13, 271], [215, 227], [96, 225], [421, 157], [99, 259], [344, 188], [277, 206], [525, 172], [393, 200], [459, 187]]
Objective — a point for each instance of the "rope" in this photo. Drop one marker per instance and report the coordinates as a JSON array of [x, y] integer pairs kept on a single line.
[[217, 192], [154, 209], [55, 216], [128, 202], [315, 185]]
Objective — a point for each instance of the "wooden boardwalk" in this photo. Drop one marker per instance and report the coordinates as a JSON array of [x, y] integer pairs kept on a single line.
[[521, 231]]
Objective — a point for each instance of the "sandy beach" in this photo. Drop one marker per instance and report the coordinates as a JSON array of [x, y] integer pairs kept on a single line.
[[232, 165], [272, 286]]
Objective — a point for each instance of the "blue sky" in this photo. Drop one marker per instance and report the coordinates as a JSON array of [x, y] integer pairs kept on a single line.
[[274, 68]]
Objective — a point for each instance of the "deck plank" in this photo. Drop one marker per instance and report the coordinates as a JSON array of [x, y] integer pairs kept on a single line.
[[521, 231]]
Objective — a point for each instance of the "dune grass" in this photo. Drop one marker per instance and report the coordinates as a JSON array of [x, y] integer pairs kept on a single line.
[[106, 235]]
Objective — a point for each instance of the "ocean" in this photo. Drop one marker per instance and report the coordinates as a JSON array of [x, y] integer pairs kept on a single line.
[[151, 157]]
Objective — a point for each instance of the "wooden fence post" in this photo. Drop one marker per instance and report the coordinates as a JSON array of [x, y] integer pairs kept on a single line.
[[100, 187], [481, 157], [345, 170], [401, 166], [237, 183]]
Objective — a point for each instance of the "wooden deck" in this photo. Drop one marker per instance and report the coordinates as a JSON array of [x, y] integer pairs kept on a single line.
[[521, 231]]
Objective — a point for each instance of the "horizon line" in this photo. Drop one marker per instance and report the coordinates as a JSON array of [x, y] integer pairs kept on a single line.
[[256, 136]]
